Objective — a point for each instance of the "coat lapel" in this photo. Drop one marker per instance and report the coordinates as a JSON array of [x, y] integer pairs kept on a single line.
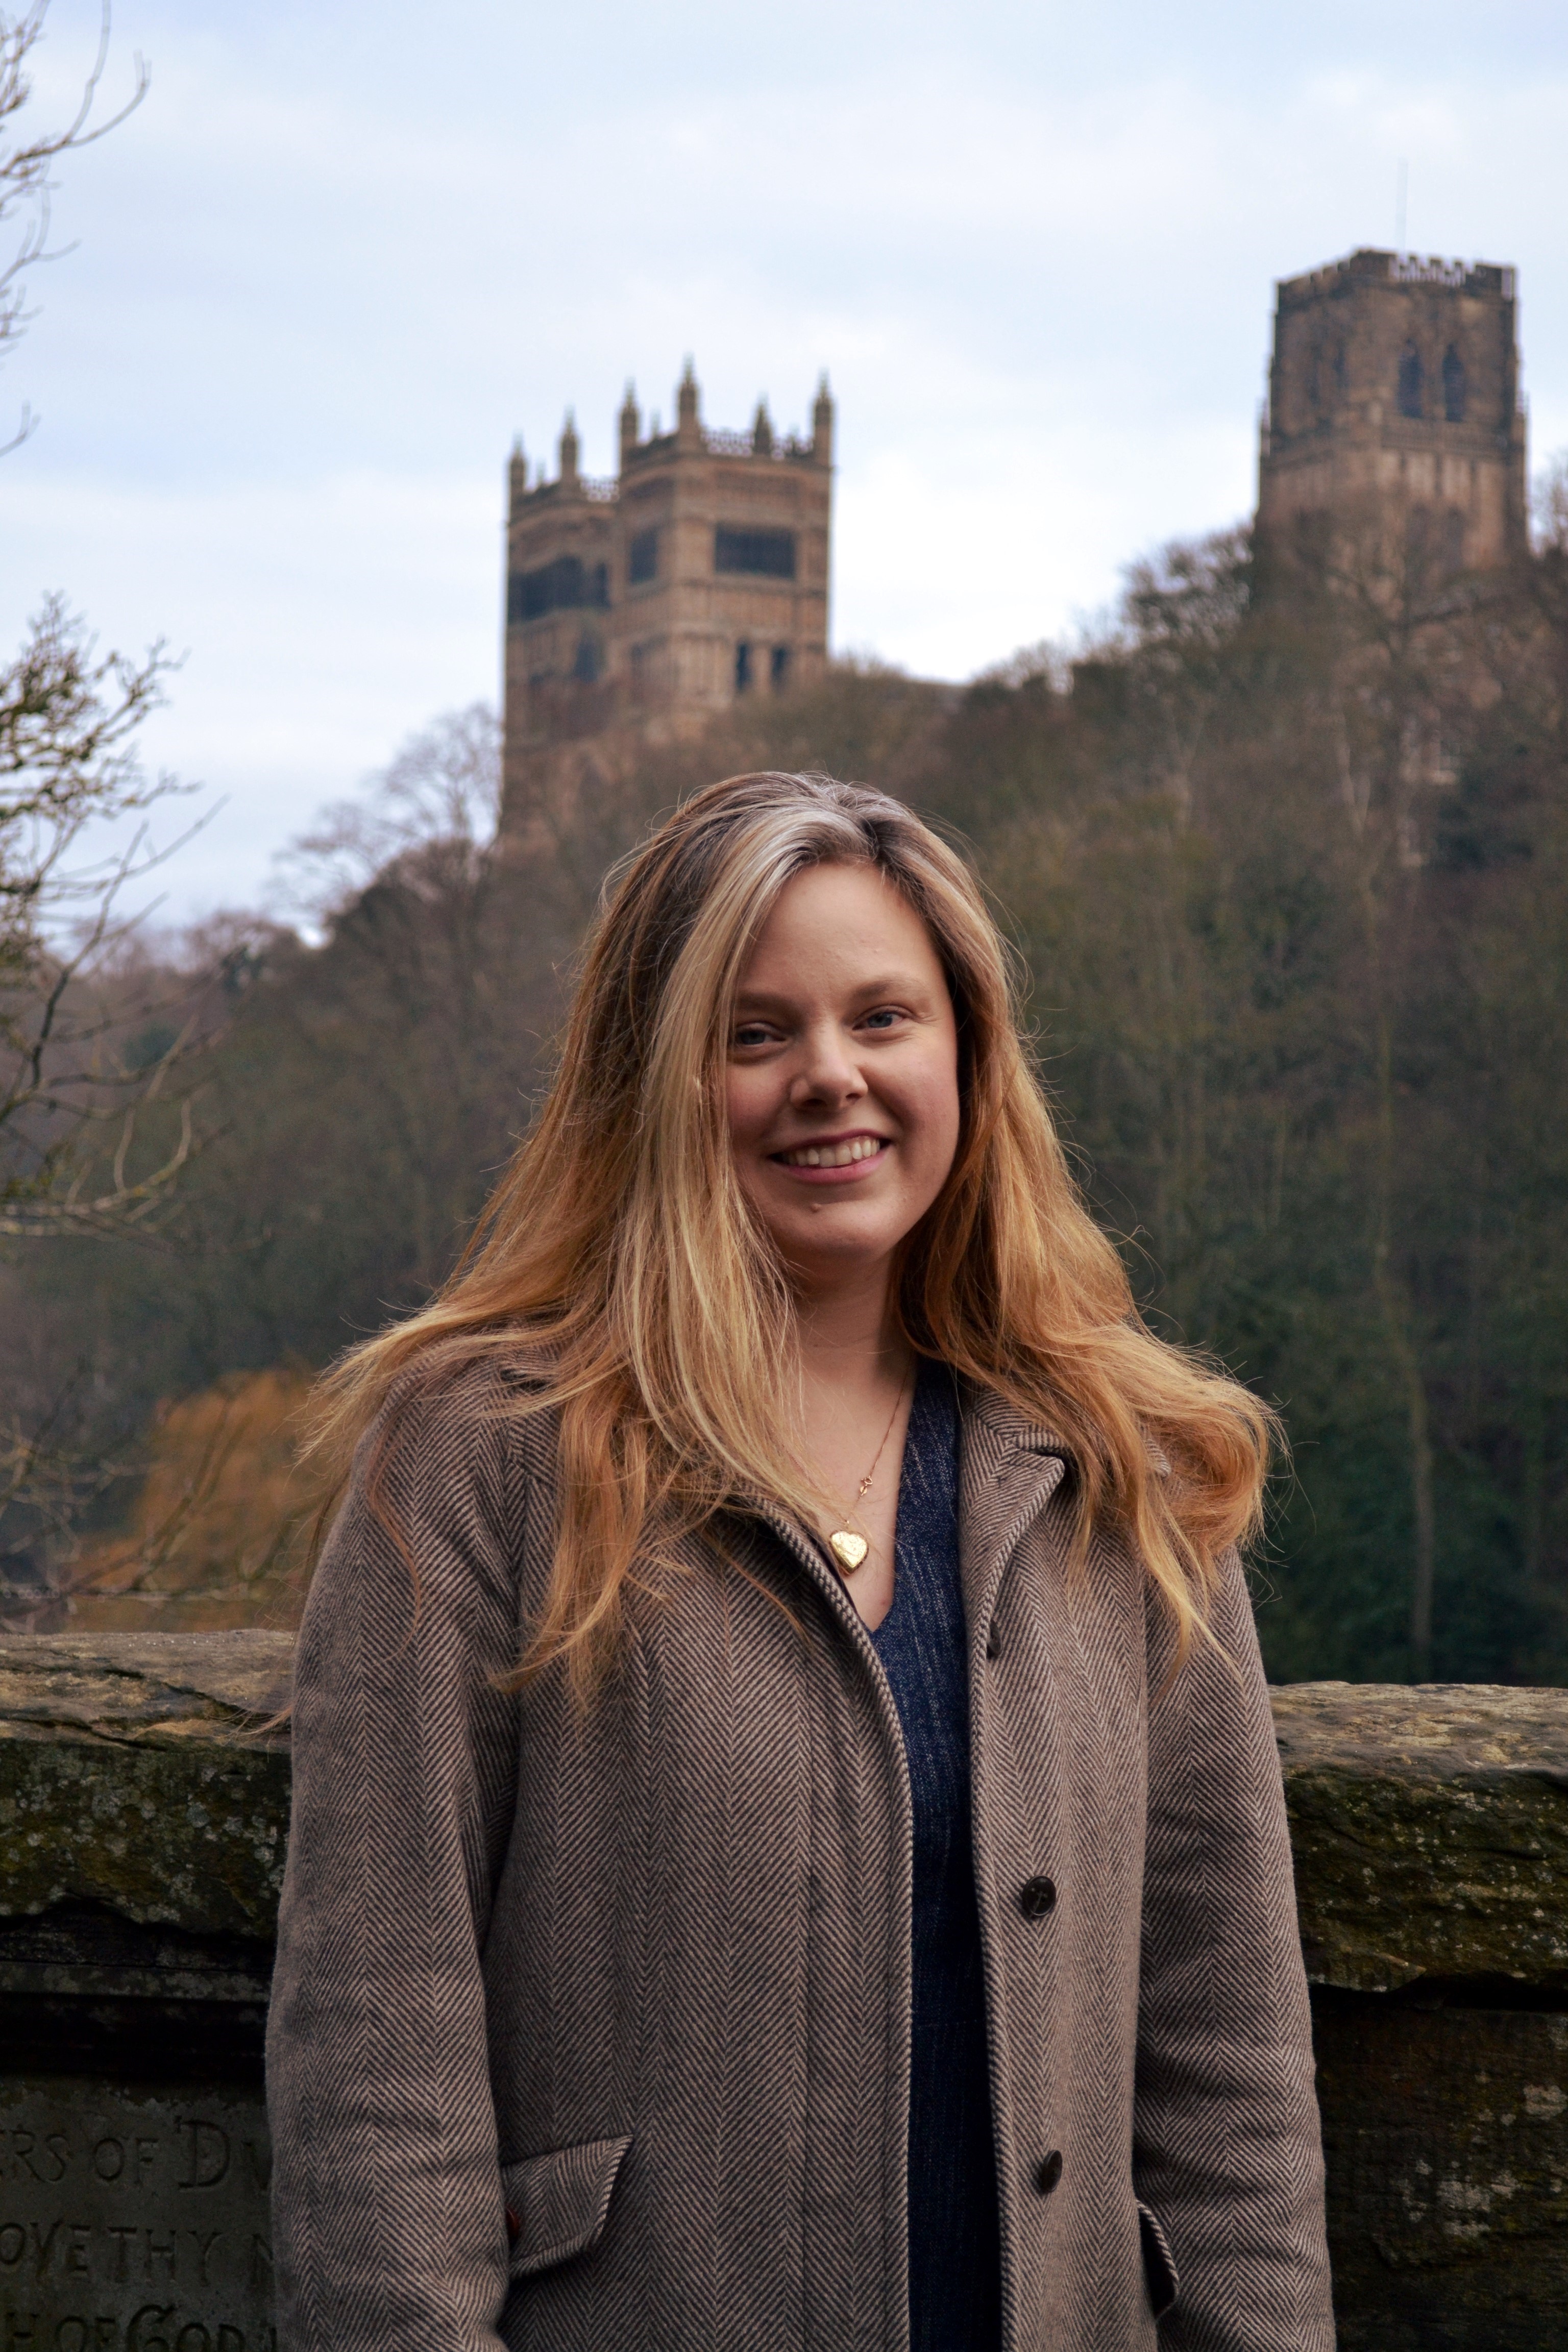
[[1009, 1468]]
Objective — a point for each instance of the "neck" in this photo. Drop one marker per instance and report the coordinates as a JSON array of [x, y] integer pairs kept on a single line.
[[848, 1336]]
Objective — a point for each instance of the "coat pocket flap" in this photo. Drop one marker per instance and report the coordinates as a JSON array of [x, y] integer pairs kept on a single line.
[[556, 2203], [1159, 2268]]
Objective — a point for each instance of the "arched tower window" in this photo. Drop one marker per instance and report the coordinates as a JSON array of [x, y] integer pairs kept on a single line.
[[1453, 386], [1410, 382]]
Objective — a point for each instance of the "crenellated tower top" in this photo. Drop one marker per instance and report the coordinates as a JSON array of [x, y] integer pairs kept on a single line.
[[1393, 407], [639, 605]]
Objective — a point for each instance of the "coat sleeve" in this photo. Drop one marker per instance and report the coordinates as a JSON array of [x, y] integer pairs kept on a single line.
[[387, 2211], [1227, 2148]]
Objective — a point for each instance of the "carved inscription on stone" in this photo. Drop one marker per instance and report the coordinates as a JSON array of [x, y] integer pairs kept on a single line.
[[132, 2221]]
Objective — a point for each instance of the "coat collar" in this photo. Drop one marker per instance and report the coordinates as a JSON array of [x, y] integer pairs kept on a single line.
[[993, 1425], [1009, 1468]]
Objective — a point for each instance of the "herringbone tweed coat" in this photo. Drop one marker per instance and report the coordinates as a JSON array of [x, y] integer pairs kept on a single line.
[[591, 2029]]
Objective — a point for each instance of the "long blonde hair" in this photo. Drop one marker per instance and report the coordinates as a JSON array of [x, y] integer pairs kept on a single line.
[[617, 1248]]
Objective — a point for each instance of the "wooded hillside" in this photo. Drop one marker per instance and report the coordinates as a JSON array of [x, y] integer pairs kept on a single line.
[[1286, 871]]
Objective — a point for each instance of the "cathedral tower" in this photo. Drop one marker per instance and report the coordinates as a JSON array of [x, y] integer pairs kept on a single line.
[[1393, 392], [637, 607]]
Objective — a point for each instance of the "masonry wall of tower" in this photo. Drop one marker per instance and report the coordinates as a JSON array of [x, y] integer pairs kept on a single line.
[[639, 606], [1394, 392]]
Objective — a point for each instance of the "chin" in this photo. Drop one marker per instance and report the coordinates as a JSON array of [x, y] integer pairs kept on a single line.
[[818, 1254]]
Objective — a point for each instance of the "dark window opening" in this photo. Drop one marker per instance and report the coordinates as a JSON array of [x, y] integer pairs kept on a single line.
[[778, 667], [1418, 527], [565, 585], [585, 668], [1309, 535], [771, 552], [1453, 386], [643, 564], [743, 667], [1453, 541], [1412, 382], [1340, 372]]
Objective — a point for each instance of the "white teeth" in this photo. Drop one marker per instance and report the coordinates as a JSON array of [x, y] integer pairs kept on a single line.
[[834, 1155]]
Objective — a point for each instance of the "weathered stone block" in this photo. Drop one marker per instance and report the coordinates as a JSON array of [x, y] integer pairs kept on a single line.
[[1430, 1828], [1447, 2172], [134, 2220]]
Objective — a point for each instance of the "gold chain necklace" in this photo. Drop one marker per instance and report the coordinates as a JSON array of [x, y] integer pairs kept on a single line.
[[850, 1548]]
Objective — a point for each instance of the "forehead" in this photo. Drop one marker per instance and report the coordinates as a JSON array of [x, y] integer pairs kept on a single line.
[[836, 926]]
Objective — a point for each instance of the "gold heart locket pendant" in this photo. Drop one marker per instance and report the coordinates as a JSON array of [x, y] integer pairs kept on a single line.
[[850, 1548]]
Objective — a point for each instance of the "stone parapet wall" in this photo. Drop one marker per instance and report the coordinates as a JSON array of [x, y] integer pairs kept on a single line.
[[1430, 1828], [143, 1815]]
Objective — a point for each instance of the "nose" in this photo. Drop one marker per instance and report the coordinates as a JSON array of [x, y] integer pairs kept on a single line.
[[828, 1072]]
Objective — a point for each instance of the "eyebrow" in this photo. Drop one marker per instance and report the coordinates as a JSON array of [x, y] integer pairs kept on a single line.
[[893, 984]]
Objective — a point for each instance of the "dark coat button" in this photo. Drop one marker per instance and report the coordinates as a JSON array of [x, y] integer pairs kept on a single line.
[[1049, 2172], [1036, 1896], [993, 1644]]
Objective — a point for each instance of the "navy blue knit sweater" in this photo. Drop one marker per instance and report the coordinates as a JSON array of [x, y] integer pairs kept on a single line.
[[954, 2253]]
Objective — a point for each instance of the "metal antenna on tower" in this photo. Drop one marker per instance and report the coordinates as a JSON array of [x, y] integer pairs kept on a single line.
[[1400, 189]]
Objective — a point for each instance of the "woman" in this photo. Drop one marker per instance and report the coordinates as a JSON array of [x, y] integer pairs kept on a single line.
[[788, 1844]]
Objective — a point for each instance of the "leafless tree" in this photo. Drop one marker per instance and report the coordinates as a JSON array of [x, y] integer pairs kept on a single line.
[[438, 799], [69, 716], [89, 1142], [67, 761], [28, 157]]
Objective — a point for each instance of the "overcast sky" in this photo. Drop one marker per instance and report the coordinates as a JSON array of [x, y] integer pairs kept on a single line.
[[344, 253]]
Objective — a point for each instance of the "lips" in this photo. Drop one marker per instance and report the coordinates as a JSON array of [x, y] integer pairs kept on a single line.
[[848, 1154]]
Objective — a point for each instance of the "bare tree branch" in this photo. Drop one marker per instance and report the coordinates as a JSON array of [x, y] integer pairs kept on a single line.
[[69, 760], [26, 162]]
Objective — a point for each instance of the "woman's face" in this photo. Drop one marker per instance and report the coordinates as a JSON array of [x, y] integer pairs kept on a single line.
[[843, 1075]]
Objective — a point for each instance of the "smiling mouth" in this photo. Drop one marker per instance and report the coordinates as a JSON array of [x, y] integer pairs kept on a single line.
[[833, 1155]]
